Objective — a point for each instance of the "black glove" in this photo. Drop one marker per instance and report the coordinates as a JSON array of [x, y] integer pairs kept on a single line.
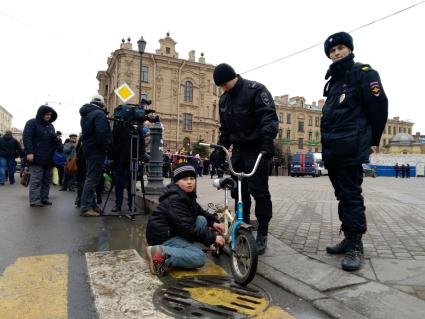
[[267, 148], [221, 158]]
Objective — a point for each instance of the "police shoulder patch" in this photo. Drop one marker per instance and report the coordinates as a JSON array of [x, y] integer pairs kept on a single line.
[[365, 68], [253, 85], [265, 98], [375, 88]]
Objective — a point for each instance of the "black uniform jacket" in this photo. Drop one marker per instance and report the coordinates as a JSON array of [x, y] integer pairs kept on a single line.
[[96, 133], [176, 216], [354, 115], [247, 115]]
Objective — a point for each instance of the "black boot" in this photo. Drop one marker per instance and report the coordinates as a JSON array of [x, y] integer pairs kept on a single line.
[[340, 248], [354, 253], [261, 243]]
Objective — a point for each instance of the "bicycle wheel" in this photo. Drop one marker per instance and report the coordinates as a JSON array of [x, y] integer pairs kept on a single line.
[[245, 259]]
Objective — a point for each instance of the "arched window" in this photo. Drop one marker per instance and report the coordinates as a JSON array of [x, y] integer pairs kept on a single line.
[[188, 91]]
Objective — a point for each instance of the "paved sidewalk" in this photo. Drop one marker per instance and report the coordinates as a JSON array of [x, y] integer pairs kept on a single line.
[[392, 282]]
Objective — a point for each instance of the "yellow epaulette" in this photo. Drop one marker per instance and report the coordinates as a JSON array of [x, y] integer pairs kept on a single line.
[[365, 68]]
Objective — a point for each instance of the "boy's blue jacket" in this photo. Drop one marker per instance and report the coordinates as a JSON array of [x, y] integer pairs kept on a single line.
[[175, 216]]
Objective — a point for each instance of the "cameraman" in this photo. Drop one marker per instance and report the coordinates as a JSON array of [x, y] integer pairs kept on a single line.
[[96, 139], [121, 154]]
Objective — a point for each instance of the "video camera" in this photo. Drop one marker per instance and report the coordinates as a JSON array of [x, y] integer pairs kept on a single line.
[[135, 113]]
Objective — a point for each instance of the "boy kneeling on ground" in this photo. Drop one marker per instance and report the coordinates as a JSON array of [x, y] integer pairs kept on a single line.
[[177, 223]]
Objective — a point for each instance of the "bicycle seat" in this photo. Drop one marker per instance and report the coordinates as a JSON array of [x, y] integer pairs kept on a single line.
[[225, 182]]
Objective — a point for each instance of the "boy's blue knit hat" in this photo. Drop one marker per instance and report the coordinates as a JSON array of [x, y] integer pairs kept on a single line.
[[183, 170]]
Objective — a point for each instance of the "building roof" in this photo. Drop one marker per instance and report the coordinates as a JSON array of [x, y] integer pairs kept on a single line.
[[402, 138]]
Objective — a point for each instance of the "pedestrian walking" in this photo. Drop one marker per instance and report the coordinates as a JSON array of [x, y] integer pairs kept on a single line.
[[396, 170], [96, 139], [69, 149], [403, 171], [353, 119], [40, 142], [407, 170], [249, 122], [10, 149]]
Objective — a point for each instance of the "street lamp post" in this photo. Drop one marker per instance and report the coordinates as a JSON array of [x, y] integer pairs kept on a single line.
[[142, 45], [155, 179]]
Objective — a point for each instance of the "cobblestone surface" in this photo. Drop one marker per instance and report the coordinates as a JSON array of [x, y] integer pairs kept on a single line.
[[306, 215]]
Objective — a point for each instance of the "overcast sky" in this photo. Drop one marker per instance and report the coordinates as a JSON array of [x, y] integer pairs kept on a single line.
[[52, 50]]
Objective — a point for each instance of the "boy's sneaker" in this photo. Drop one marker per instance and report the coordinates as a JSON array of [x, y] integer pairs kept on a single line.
[[156, 260]]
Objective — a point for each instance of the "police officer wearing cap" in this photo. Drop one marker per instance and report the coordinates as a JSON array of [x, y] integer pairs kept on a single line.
[[353, 119], [249, 122]]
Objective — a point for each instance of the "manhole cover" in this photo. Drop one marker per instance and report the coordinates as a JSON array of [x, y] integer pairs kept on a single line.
[[210, 297]]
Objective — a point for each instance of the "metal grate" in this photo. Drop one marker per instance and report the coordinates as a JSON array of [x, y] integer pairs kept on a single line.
[[175, 299]]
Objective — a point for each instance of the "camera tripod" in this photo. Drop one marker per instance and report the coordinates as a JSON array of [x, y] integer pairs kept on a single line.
[[134, 172]]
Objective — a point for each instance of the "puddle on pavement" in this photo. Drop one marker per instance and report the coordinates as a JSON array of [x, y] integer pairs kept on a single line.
[[118, 233]]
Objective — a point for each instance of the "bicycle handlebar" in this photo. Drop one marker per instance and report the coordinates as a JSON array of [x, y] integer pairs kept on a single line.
[[241, 174]]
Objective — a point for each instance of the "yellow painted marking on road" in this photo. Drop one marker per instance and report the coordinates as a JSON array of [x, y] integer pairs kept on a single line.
[[209, 269], [35, 287], [243, 304], [274, 312]]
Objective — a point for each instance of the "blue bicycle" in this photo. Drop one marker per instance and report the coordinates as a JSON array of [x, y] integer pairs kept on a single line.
[[238, 234]]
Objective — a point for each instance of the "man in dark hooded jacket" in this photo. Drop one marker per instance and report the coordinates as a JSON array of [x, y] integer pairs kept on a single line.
[[9, 150], [96, 139], [40, 141]]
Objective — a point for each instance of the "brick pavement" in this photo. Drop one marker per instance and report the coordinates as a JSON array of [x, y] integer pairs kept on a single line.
[[306, 214]]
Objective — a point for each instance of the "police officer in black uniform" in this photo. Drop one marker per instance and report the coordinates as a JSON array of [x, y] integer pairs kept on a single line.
[[248, 121], [353, 120]]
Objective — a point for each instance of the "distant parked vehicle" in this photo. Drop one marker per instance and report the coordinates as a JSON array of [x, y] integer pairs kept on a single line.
[[321, 168], [369, 170], [304, 164]]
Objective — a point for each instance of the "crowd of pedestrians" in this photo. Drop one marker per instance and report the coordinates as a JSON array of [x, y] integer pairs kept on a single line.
[[402, 170]]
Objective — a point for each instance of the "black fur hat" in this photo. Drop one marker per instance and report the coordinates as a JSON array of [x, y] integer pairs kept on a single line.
[[223, 73], [338, 38]]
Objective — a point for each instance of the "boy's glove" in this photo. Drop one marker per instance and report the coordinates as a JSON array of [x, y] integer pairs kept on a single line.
[[267, 147]]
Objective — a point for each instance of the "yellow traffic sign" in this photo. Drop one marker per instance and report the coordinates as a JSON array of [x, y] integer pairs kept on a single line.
[[124, 92]]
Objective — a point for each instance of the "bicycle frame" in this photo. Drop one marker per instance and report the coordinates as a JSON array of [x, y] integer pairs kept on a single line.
[[239, 206]]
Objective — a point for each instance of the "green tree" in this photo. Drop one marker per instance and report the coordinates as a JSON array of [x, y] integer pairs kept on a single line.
[[203, 151]]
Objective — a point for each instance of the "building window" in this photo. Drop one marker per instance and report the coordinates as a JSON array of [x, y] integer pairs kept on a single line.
[[167, 50], [281, 117], [385, 142], [280, 133], [310, 121], [144, 73], [399, 129], [389, 129], [288, 118], [300, 126], [404, 130], [300, 143], [317, 121], [410, 131], [187, 121], [310, 135], [288, 134], [188, 91], [394, 130]]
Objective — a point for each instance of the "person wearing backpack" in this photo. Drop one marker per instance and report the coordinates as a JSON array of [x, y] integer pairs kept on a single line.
[[353, 119]]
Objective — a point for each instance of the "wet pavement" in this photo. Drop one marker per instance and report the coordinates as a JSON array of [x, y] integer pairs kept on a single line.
[[59, 230]]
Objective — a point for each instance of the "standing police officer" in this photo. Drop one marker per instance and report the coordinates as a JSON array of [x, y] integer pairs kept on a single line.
[[353, 120], [248, 121]]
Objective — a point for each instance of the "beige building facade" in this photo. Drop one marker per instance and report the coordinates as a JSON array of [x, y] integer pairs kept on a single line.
[[5, 120], [393, 127], [182, 91], [299, 124]]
